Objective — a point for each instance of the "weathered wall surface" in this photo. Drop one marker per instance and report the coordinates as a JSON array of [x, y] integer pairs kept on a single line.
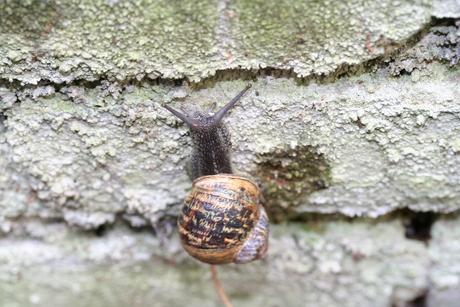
[[354, 110], [327, 264], [122, 40]]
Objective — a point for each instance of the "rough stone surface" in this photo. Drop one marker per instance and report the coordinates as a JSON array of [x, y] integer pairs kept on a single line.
[[354, 110], [327, 264], [88, 156], [446, 8], [120, 40]]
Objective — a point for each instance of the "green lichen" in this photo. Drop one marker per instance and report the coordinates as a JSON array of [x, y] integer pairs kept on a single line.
[[286, 175], [135, 39], [85, 142], [45, 263]]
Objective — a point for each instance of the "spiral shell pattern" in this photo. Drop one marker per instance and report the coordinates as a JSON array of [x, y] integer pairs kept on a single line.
[[221, 220]]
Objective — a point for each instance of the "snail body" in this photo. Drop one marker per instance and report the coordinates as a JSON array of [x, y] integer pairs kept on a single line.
[[221, 220]]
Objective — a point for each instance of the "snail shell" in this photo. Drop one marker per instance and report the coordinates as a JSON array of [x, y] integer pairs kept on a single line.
[[221, 220]]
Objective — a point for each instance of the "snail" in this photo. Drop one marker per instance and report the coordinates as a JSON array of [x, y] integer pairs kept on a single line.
[[221, 220]]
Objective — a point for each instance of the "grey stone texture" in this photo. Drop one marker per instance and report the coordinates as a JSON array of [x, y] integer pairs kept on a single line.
[[354, 112]]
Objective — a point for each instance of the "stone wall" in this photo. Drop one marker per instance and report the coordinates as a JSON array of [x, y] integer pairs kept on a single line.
[[351, 129]]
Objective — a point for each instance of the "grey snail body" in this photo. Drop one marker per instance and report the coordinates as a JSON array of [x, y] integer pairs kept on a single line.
[[221, 220]]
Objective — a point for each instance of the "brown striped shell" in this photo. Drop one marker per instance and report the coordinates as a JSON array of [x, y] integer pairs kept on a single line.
[[221, 220]]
